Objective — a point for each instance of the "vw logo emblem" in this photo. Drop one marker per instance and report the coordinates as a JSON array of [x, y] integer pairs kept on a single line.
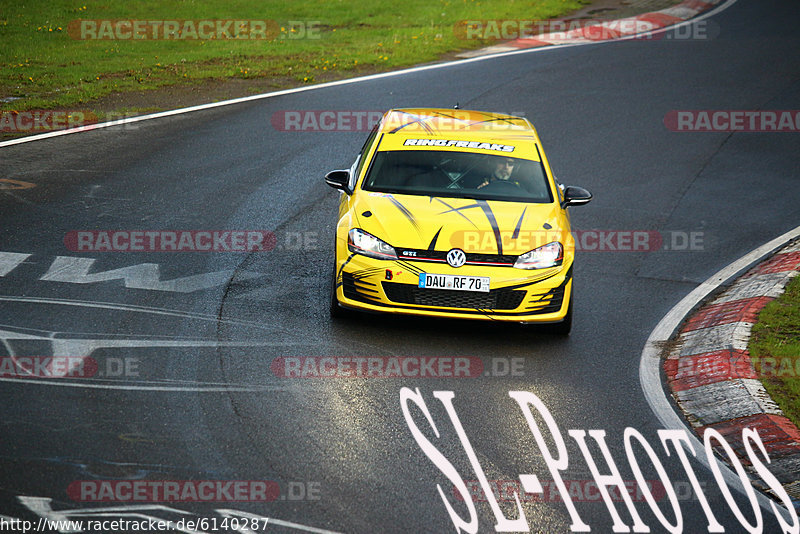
[[456, 257]]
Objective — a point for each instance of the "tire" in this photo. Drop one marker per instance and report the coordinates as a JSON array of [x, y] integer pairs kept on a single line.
[[336, 311]]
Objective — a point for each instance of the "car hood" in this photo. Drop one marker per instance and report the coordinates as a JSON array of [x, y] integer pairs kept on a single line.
[[442, 223]]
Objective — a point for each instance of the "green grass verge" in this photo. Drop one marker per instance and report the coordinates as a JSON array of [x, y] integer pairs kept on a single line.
[[775, 350], [43, 67]]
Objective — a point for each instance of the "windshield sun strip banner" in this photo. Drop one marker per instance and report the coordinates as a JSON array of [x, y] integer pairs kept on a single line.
[[477, 145]]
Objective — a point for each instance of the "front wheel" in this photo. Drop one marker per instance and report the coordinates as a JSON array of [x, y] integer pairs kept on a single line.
[[336, 311]]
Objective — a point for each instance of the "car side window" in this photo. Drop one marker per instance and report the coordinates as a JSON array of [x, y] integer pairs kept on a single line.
[[358, 165]]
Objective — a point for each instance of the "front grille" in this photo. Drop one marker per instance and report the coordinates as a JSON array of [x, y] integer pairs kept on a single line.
[[496, 299], [504, 259], [440, 256]]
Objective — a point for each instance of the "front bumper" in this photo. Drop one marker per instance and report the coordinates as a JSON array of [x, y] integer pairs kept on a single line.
[[516, 295]]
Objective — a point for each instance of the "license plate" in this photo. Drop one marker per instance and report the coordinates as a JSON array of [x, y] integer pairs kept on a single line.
[[457, 283]]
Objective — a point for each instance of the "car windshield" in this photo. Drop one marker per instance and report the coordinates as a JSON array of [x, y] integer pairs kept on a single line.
[[458, 174]]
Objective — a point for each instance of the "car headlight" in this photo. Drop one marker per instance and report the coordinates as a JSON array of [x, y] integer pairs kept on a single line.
[[549, 255], [361, 242]]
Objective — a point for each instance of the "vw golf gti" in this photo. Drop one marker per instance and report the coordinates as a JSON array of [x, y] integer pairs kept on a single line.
[[454, 213]]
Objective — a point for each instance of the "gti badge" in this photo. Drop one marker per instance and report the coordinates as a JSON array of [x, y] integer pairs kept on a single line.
[[456, 257]]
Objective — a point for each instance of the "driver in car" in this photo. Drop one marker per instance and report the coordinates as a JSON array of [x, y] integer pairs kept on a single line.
[[502, 171]]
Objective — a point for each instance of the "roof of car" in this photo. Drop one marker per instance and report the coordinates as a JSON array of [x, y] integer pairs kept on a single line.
[[458, 130], [442, 122]]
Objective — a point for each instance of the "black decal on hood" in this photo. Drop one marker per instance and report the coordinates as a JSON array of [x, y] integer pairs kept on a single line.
[[519, 224], [458, 210], [487, 210], [432, 246], [404, 210]]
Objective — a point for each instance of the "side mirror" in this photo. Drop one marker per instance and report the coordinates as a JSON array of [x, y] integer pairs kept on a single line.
[[575, 196], [338, 180]]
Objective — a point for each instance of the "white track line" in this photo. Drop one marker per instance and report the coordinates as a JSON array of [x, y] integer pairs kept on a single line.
[[650, 362], [199, 388], [348, 81], [133, 308]]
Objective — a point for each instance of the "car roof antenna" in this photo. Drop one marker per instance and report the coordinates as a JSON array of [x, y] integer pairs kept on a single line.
[[456, 106]]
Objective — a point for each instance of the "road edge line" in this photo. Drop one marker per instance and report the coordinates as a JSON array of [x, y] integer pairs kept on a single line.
[[650, 359]]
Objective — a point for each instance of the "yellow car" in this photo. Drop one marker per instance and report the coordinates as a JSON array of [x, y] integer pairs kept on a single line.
[[454, 213]]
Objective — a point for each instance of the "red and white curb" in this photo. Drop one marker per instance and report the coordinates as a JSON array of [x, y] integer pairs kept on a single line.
[[640, 25], [713, 380]]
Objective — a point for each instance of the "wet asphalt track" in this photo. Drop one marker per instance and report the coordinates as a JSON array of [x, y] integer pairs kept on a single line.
[[203, 402]]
